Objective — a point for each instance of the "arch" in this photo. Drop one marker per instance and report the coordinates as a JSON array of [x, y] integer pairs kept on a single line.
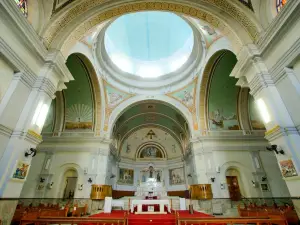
[[204, 88], [61, 33], [67, 186], [244, 172], [162, 154], [96, 92], [121, 108], [94, 87]]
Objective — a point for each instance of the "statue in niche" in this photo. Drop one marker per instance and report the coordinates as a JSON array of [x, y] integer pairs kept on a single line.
[[151, 171], [143, 177], [158, 177]]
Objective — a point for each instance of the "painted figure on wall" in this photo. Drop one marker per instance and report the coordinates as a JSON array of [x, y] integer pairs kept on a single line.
[[287, 168], [217, 119], [21, 171], [126, 176], [151, 152], [176, 176]]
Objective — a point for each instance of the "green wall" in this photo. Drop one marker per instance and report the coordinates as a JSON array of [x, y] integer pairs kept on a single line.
[[223, 93], [78, 97]]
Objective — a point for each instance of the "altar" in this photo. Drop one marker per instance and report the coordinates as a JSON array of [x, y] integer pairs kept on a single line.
[[140, 202]]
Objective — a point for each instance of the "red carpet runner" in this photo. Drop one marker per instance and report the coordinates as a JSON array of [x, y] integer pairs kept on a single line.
[[154, 219]]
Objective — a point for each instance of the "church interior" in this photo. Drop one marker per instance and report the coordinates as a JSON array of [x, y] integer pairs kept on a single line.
[[149, 112]]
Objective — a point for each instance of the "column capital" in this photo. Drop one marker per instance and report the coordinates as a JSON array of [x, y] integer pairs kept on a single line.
[[277, 132]]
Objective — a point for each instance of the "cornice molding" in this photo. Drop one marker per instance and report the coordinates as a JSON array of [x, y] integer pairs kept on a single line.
[[24, 29], [45, 85], [30, 136], [277, 132], [5, 131], [76, 139], [279, 25]]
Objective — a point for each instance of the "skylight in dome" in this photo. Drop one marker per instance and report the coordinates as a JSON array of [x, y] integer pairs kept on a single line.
[[148, 44]]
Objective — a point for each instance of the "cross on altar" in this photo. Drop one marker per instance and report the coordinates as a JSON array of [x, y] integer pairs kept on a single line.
[[150, 134]]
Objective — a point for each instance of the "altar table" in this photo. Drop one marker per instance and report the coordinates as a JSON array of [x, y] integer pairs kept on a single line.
[[140, 202]]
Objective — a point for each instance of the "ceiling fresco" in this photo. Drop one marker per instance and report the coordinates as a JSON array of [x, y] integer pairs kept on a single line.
[[187, 96], [153, 114], [148, 145], [223, 93], [113, 97], [78, 97]]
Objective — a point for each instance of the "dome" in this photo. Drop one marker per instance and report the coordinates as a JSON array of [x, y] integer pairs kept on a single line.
[[149, 44]]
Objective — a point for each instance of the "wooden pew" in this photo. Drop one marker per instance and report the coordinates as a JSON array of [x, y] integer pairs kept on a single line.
[[76, 220]]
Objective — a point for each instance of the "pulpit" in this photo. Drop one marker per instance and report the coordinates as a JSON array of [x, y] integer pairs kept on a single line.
[[100, 191], [201, 191]]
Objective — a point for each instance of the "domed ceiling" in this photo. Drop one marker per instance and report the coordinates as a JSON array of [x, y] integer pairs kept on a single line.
[[149, 44]]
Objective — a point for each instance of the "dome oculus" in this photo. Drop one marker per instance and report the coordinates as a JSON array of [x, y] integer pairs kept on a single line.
[[149, 44]]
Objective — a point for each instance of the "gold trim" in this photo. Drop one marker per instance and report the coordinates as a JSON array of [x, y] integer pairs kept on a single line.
[[34, 134], [272, 130]]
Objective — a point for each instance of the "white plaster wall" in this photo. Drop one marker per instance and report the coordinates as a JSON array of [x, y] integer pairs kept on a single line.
[[6, 75], [296, 68], [277, 184], [290, 96], [30, 185]]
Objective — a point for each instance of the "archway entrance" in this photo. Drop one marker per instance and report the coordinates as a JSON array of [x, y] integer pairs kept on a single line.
[[69, 183], [233, 182]]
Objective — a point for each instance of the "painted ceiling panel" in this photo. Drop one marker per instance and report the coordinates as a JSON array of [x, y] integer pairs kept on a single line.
[[78, 97], [223, 93]]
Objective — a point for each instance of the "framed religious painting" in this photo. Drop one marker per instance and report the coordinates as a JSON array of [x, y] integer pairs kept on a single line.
[[176, 176], [287, 168], [264, 187], [126, 176], [20, 171]]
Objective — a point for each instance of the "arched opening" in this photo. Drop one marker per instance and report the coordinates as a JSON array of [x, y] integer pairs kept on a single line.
[[69, 184], [235, 184]]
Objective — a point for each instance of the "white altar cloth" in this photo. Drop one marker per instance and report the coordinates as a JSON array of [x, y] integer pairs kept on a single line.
[[140, 202], [117, 203]]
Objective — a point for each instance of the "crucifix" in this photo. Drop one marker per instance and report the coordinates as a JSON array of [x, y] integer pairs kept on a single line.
[[150, 134]]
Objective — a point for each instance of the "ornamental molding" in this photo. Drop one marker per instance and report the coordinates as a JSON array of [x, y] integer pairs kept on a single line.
[[23, 29], [259, 82], [76, 138], [59, 24], [278, 132], [288, 15], [45, 85], [30, 136], [5, 131]]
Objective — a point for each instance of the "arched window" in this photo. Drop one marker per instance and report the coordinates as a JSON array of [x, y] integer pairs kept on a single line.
[[280, 4], [23, 6]]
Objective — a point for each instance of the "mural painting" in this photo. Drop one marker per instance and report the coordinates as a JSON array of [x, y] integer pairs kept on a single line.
[[78, 97], [21, 171], [49, 123], [255, 118], [126, 176], [287, 168], [222, 97], [176, 176], [186, 96], [113, 97], [151, 152]]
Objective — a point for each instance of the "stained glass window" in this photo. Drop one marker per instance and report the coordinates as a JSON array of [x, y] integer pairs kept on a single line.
[[23, 6], [280, 4]]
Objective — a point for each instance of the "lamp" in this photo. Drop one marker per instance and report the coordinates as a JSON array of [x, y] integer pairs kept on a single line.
[[80, 187], [212, 179], [275, 148], [90, 180], [112, 176], [253, 183], [31, 151], [189, 175], [50, 185], [42, 180]]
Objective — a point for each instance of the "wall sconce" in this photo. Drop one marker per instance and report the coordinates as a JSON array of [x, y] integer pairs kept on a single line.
[[189, 175], [90, 180], [50, 185], [253, 183], [42, 180], [212, 179], [276, 149], [80, 187], [31, 151], [112, 176], [264, 178]]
